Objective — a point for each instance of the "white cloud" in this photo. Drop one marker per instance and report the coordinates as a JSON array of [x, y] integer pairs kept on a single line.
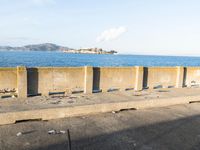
[[41, 2], [111, 34]]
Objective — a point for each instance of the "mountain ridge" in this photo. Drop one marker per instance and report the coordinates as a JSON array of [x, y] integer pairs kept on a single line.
[[35, 47], [54, 47]]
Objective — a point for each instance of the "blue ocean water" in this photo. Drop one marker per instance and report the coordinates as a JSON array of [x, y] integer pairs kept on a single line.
[[33, 59]]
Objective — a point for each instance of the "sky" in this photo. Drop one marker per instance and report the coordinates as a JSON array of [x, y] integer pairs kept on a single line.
[[147, 27]]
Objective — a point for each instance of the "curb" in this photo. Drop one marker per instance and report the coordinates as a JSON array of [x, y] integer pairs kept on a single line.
[[63, 112]]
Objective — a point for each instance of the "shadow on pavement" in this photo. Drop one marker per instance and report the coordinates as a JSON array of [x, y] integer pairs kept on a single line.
[[172, 135]]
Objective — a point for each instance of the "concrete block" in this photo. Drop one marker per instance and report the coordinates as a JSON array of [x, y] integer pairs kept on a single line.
[[88, 80], [179, 77], [22, 81], [139, 78]]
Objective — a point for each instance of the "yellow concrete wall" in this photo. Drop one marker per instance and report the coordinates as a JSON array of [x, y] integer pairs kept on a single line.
[[114, 78], [8, 78], [192, 76], [58, 79], [55, 79], [161, 77]]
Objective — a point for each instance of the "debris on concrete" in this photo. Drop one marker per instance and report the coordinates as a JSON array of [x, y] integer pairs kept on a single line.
[[62, 132], [56, 132], [137, 94], [19, 134], [114, 112], [194, 84], [134, 145], [51, 132], [141, 93], [7, 90]]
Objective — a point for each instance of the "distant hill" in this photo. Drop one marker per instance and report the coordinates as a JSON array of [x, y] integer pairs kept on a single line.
[[54, 47], [35, 47]]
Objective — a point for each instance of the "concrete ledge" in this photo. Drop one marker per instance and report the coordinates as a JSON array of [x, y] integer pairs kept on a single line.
[[62, 112]]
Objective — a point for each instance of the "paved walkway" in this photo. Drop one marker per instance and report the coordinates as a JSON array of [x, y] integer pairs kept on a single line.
[[167, 128]]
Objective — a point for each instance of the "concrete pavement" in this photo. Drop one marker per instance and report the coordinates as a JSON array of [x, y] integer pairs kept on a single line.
[[166, 128], [47, 108]]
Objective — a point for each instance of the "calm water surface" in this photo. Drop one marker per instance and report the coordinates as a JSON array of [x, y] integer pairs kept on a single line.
[[33, 59]]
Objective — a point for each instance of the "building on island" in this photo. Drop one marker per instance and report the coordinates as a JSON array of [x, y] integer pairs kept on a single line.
[[90, 51]]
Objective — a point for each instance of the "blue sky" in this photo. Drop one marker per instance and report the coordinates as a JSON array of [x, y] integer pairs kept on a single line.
[[161, 27]]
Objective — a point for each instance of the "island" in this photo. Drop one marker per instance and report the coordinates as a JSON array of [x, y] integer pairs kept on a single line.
[[90, 51], [54, 47]]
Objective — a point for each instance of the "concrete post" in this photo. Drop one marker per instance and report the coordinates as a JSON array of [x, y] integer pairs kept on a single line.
[[179, 77], [88, 80], [139, 78], [22, 81], [48, 81]]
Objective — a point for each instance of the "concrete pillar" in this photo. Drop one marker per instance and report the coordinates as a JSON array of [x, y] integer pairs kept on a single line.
[[88, 80], [139, 78], [22, 81], [179, 77], [47, 83]]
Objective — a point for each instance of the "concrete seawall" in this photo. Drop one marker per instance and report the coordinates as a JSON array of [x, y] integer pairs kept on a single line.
[[45, 80]]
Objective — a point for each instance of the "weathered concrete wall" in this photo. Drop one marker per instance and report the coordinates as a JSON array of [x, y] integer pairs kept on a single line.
[[52, 79], [159, 77], [8, 78], [44, 80], [106, 78], [192, 76]]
